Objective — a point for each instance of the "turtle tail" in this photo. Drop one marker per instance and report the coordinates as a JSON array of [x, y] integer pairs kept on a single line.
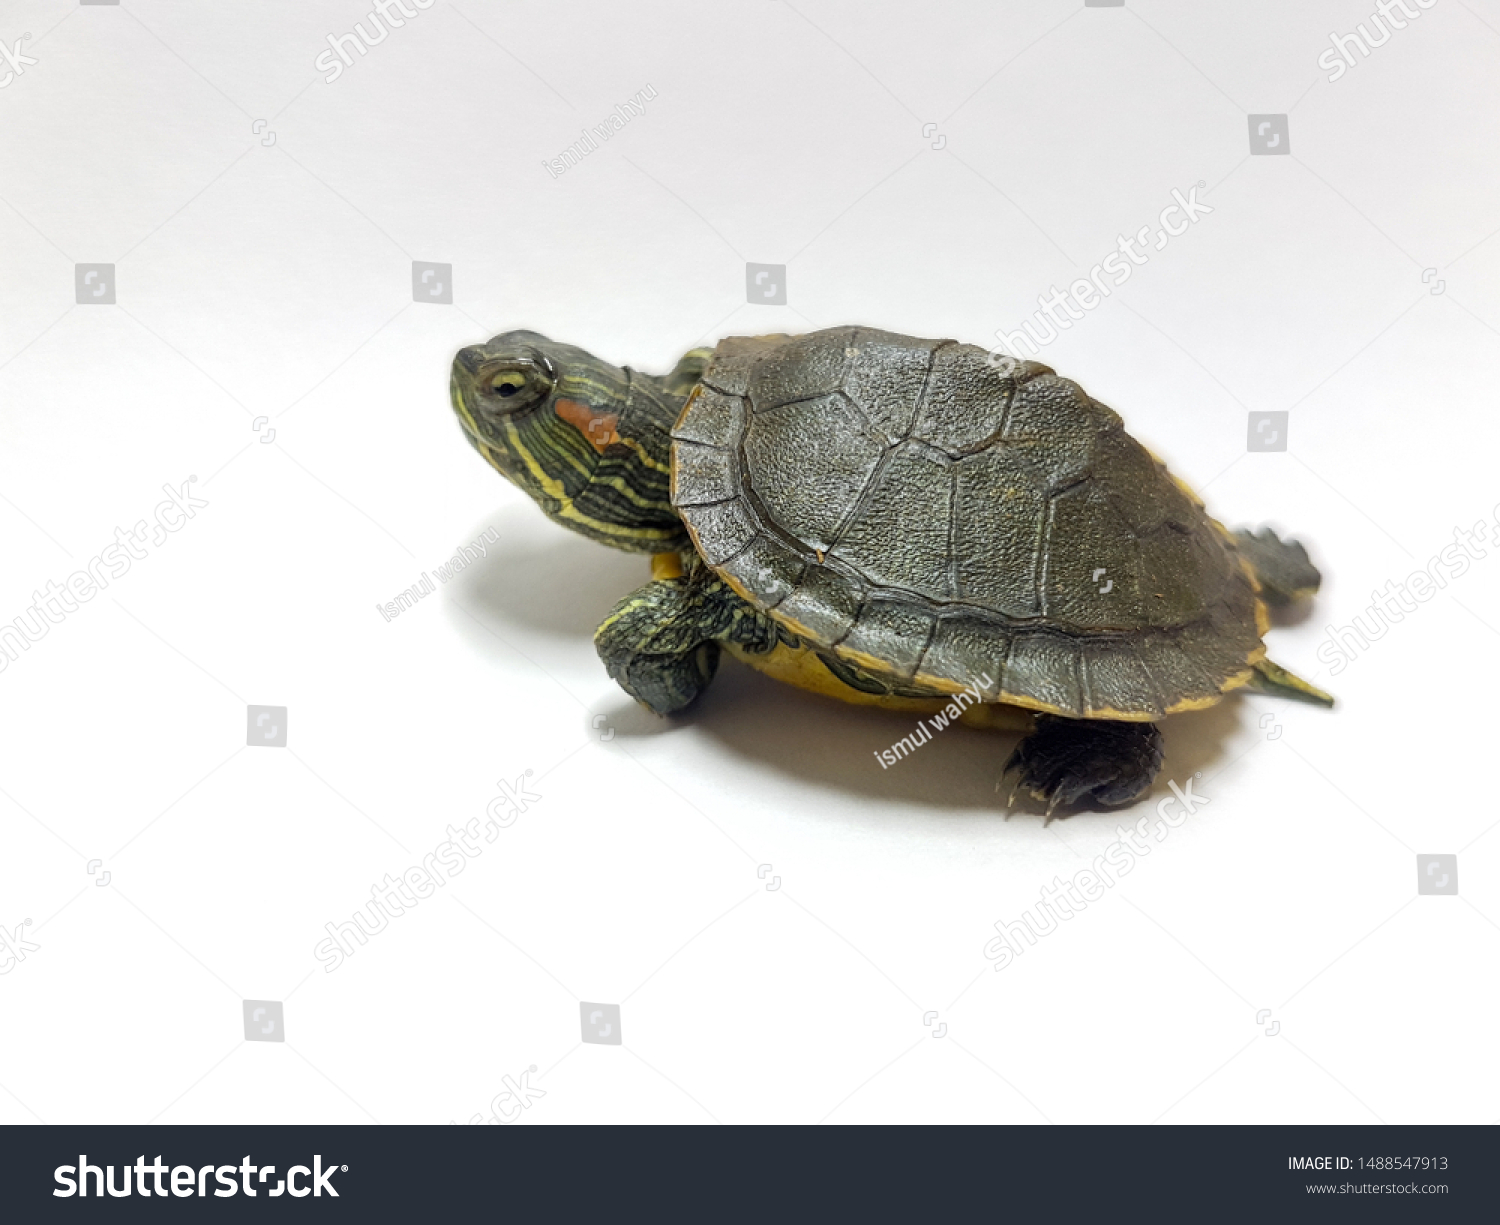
[[1278, 682], [1285, 572]]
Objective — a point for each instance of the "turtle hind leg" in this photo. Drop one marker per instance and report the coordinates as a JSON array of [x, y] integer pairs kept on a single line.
[[1065, 761], [1285, 572], [661, 643]]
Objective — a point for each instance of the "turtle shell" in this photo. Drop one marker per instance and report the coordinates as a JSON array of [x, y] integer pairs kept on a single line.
[[939, 522]]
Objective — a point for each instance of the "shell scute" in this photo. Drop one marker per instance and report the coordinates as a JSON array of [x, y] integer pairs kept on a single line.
[[930, 519]]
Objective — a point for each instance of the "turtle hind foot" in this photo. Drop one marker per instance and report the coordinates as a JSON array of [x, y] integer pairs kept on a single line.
[[1285, 572], [1067, 761]]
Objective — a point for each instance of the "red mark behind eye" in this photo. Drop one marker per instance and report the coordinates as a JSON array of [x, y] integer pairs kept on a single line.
[[597, 427]]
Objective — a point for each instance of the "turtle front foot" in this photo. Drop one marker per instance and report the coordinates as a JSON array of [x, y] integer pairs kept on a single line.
[[655, 646], [1068, 760]]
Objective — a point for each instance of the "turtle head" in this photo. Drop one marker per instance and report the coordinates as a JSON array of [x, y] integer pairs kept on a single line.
[[588, 442]]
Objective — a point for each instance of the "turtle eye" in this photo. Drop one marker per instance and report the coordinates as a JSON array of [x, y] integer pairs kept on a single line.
[[513, 387]]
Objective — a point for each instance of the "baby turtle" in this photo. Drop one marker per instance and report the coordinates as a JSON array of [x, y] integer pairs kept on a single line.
[[895, 521]]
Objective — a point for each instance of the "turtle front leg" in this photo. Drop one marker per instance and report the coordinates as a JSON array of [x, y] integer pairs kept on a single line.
[[661, 643], [1068, 760]]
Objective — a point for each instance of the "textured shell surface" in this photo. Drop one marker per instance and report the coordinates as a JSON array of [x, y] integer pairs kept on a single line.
[[943, 521]]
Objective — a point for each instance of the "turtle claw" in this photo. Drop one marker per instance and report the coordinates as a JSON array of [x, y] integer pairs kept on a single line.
[[1069, 761], [1010, 799]]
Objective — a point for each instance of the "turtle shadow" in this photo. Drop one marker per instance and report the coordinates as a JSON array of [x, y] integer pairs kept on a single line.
[[832, 746], [549, 580], [546, 580]]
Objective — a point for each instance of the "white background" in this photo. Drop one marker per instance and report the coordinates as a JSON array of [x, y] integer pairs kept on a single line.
[[274, 280]]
